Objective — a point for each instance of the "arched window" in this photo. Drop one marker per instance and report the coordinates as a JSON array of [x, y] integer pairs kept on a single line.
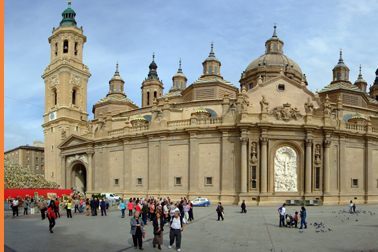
[[343, 76], [74, 96], [117, 88], [75, 49], [176, 84], [275, 47], [55, 97], [268, 48], [215, 70], [148, 98], [155, 95], [181, 85], [56, 49], [204, 70], [338, 76], [112, 88], [210, 70], [121, 88], [65, 46]]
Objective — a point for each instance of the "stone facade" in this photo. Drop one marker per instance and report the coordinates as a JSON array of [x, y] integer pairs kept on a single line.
[[273, 140]]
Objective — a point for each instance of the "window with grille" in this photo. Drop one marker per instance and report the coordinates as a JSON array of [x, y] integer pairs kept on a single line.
[[317, 178]]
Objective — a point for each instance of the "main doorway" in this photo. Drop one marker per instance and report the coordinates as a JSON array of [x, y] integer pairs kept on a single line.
[[79, 175]]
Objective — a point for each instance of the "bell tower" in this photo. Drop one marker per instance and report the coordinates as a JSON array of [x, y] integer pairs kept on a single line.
[[152, 87], [65, 81]]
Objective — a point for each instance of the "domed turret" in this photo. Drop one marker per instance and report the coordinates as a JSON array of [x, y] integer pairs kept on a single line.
[[340, 71], [179, 81], [211, 65], [152, 87], [360, 82], [68, 16], [116, 84], [374, 88], [270, 64], [358, 119]]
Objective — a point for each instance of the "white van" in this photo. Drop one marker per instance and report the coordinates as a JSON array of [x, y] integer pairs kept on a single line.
[[112, 196]]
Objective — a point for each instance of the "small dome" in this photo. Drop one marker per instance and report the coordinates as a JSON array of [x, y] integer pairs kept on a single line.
[[139, 118], [273, 60], [357, 116], [69, 10], [117, 76], [341, 63], [68, 16], [360, 79], [201, 110], [212, 55]]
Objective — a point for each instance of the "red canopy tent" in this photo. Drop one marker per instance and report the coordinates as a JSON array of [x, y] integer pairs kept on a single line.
[[30, 192]]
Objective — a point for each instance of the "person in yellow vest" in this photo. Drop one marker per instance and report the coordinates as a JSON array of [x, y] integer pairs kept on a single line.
[[68, 206]]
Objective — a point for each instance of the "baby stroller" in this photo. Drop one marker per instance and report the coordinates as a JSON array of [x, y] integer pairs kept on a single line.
[[289, 221]]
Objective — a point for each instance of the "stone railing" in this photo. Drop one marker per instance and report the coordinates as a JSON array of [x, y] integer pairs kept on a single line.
[[354, 126], [138, 128], [115, 132], [179, 123], [210, 120], [375, 129]]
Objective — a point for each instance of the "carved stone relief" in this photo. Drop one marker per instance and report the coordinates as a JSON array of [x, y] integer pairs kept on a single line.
[[309, 106], [327, 108], [286, 113], [83, 158], [76, 80], [285, 170], [318, 158], [264, 104], [253, 152], [53, 81]]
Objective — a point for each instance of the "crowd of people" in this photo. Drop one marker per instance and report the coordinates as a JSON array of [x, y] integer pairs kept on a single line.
[[161, 212]]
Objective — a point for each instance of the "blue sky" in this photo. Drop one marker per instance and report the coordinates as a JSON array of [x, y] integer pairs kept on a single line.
[[130, 31]]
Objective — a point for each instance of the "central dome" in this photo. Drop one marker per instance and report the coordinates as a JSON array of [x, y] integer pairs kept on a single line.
[[274, 60]]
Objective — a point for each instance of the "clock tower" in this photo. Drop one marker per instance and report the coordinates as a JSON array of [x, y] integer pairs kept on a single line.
[[66, 79]]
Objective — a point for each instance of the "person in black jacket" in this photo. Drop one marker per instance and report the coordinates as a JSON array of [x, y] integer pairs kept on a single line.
[[103, 207], [97, 205], [158, 224], [243, 207], [93, 207], [220, 211]]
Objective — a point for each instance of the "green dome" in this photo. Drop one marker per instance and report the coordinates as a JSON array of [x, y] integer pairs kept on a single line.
[[68, 16]]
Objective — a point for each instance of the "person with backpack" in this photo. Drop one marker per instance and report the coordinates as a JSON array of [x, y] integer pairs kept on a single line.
[[220, 211], [51, 216], [176, 226]]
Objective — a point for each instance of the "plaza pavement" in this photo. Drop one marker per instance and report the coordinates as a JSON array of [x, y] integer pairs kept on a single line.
[[255, 231]]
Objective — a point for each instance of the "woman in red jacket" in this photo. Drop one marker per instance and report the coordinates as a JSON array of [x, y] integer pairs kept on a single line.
[[131, 207], [51, 216]]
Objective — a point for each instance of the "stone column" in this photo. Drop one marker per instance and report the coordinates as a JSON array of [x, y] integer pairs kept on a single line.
[[193, 164], [342, 165], [90, 171], [63, 170], [264, 165], [327, 144], [370, 180], [243, 176], [308, 166]]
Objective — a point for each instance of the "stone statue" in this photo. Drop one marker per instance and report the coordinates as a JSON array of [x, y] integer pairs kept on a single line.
[[253, 153], [90, 126], [309, 106], [64, 133], [264, 104], [245, 104], [327, 108], [317, 154]]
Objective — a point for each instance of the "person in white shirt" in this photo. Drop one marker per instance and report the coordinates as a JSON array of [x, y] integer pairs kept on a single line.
[[176, 226], [281, 212], [15, 207], [351, 207]]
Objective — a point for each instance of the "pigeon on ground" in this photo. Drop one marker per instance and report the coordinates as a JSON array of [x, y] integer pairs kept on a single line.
[[356, 220], [301, 231], [329, 229], [342, 221], [317, 231]]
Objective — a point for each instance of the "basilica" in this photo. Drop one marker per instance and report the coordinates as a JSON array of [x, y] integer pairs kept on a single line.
[[266, 140]]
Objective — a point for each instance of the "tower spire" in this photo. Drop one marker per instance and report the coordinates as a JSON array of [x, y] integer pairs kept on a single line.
[[341, 56], [116, 72], [212, 54], [275, 31], [179, 70]]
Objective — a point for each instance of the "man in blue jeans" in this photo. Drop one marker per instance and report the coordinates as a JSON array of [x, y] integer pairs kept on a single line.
[[123, 207], [281, 212]]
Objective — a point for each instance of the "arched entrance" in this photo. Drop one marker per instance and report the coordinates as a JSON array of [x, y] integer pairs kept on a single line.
[[79, 177]]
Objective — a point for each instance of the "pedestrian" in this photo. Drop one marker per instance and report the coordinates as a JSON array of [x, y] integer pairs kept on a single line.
[[97, 201], [191, 216], [354, 207], [42, 206], [77, 202], [103, 207], [144, 213], [57, 204], [26, 206], [186, 210], [87, 206], [137, 206], [281, 212], [108, 203], [303, 217], [176, 226], [32, 206], [130, 207], [181, 207], [220, 211], [296, 219], [123, 207], [51, 216], [81, 205], [165, 212], [68, 206], [350, 206], [243, 207], [15, 206], [158, 224], [93, 207], [136, 230], [152, 211]]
